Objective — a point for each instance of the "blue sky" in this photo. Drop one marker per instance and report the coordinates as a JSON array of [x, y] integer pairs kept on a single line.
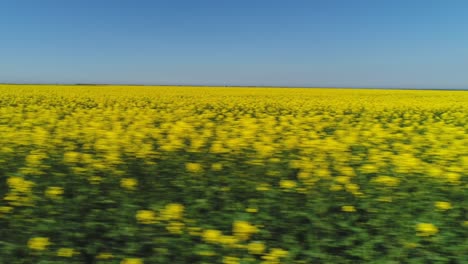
[[341, 43]]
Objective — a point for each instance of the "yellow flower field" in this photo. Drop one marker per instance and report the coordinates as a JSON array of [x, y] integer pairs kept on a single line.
[[142, 174]]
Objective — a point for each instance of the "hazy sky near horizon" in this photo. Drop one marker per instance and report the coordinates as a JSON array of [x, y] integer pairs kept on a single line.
[[359, 43]]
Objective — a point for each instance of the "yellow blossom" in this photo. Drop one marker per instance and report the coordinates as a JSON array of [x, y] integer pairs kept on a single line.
[[231, 260], [129, 183], [387, 199], [342, 179], [227, 240], [54, 192], [194, 231], [5, 209], [263, 187], [132, 261], [193, 167], [38, 243], [426, 229], [19, 184], [71, 157], [211, 235], [216, 166], [443, 206], [348, 208], [172, 211], [146, 217], [175, 227], [411, 245], [303, 175], [243, 230], [387, 181], [256, 248], [278, 252], [95, 180], [352, 188], [251, 210], [453, 177], [287, 184], [336, 187], [65, 252], [206, 253]]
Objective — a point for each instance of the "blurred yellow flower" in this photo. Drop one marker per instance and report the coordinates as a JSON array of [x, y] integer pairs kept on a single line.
[[54, 192], [172, 211], [263, 187], [256, 248], [38, 243], [194, 231], [5, 209], [242, 230], [211, 235], [193, 167], [146, 217], [348, 208], [411, 245], [231, 260], [336, 187], [216, 166], [426, 229], [453, 177], [287, 184], [129, 183], [227, 240], [251, 210], [71, 157], [206, 253], [387, 181], [175, 227], [278, 252], [342, 179], [95, 180], [443, 206], [386, 199], [19, 184], [65, 252], [352, 187], [132, 261]]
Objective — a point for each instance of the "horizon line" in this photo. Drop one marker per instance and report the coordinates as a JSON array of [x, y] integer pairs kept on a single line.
[[236, 86]]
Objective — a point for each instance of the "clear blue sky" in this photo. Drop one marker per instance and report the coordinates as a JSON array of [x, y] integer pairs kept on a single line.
[[348, 43]]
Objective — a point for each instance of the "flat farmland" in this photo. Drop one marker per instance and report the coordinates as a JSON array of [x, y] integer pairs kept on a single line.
[[161, 174]]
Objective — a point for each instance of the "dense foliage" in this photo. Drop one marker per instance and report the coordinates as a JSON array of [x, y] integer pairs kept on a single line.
[[133, 175]]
